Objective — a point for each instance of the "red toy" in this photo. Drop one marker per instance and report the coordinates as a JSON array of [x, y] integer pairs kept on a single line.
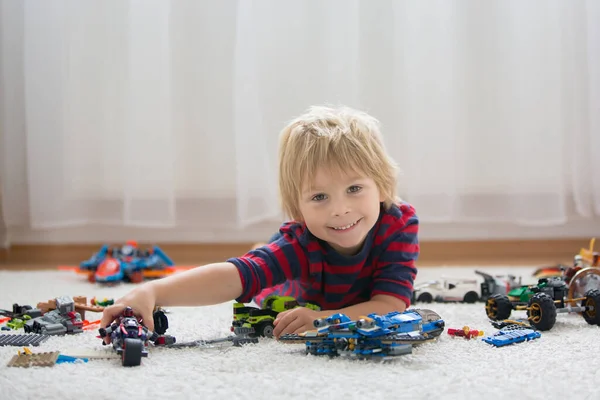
[[465, 332]]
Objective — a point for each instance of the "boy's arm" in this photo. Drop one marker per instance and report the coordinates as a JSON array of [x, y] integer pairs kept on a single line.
[[205, 285]]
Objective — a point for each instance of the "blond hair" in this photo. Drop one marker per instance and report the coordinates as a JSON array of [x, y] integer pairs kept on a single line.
[[332, 137]]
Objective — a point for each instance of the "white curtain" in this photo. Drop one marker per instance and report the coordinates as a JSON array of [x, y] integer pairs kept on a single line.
[[165, 114]]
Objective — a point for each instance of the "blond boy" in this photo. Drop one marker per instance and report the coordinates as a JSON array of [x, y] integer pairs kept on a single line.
[[350, 247]]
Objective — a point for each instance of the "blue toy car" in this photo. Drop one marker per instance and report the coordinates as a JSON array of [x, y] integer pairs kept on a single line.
[[373, 336], [127, 263]]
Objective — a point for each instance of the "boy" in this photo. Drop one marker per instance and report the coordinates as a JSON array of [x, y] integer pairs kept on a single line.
[[351, 246]]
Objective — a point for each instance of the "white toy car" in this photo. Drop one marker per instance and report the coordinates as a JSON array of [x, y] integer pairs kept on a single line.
[[468, 290]]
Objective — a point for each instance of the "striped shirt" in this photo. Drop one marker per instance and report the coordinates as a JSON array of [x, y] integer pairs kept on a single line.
[[296, 263]]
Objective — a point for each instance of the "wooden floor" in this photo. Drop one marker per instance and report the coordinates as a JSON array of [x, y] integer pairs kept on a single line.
[[433, 253]]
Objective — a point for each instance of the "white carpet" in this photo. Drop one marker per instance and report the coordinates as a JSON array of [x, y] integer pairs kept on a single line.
[[563, 363]]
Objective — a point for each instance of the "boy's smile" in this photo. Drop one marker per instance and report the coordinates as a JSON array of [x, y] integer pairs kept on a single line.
[[340, 208]]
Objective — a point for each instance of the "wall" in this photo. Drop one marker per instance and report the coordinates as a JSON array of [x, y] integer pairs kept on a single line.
[[430, 232]]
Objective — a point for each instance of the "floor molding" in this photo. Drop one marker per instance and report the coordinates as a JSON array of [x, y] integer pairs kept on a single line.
[[433, 253]]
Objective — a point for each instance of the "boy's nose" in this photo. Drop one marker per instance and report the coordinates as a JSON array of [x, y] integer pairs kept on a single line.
[[340, 208]]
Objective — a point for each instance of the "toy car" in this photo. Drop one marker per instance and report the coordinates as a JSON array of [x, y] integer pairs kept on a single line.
[[127, 263], [372, 336], [468, 290], [259, 321], [129, 338], [543, 302]]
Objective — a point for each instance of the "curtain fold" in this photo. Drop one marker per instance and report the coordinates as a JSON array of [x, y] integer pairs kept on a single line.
[[166, 114]]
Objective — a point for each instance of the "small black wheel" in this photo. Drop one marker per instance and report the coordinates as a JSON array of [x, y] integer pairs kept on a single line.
[[132, 352], [161, 322], [541, 312], [498, 307], [265, 329], [591, 302], [471, 297], [425, 298]]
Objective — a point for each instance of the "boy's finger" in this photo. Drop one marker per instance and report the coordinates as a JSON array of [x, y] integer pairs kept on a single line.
[[110, 314], [148, 322], [282, 324]]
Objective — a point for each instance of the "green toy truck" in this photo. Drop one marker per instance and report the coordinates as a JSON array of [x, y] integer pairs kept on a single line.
[[259, 321], [543, 302]]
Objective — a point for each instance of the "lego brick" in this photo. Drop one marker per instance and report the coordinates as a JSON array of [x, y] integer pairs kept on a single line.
[[47, 359], [31, 339]]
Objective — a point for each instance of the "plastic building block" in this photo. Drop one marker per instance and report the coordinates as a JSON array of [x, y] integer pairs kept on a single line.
[[26, 360], [465, 332], [507, 337], [68, 359], [63, 319], [22, 340]]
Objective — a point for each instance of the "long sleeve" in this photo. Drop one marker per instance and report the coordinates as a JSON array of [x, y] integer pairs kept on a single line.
[[396, 271], [282, 259]]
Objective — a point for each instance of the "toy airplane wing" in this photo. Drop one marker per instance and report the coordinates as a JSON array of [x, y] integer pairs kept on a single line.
[[548, 271], [159, 273], [74, 268]]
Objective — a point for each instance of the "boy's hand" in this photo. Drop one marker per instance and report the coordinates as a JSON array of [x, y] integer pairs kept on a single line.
[[298, 320], [141, 300]]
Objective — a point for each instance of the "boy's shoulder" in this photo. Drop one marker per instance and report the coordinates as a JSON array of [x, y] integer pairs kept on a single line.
[[401, 217], [400, 212]]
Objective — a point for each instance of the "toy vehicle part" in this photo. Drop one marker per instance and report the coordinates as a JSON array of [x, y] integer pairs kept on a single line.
[[465, 332], [582, 281], [509, 336], [18, 323], [19, 311]]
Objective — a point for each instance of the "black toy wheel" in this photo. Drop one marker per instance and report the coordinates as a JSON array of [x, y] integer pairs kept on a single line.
[[265, 329], [592, 302], [471, 297], [132, 352], [498, 307], [541, 312], [161, 322], [425, 298]]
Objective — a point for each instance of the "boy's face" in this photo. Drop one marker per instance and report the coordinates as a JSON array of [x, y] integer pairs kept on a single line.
[[340, 208]]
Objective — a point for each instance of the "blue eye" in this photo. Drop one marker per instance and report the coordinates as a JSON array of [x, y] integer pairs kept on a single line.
[[318, 197], [354, 189]]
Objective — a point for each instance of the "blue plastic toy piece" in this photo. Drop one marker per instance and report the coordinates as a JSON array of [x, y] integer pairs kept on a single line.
[[508, 337]]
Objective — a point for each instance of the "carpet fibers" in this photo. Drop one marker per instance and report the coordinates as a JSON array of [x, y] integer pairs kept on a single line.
[[561, 364]]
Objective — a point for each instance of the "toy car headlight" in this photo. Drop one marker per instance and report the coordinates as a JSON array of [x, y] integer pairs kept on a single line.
[[364, 323], [319, 323]]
